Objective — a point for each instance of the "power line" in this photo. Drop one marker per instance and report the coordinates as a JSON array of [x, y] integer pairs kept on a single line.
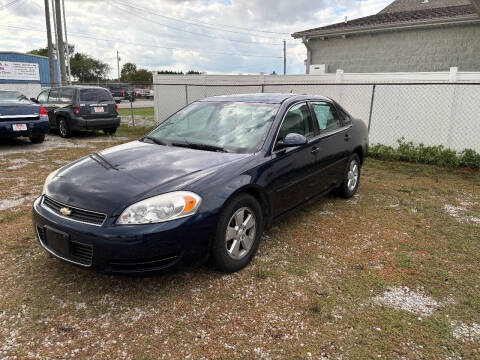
[[193, 22], [196, 33], [150, 45], [204, 23]]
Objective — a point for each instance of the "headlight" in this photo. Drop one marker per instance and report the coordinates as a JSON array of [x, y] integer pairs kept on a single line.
[[161, 208], [48, 179]]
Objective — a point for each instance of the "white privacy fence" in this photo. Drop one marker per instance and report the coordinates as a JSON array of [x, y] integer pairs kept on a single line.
[[433, 113]]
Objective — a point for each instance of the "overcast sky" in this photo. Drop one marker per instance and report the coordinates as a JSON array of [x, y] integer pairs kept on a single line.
[[216, 36]]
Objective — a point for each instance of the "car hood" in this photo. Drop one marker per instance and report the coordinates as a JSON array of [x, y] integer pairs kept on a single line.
[[111, 179], [9, 109]]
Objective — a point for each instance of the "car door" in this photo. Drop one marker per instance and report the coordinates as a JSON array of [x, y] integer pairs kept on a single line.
[[52, 105], [332, 144], [290, 173]]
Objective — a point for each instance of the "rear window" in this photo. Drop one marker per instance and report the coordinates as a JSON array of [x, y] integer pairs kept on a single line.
[[95, 95], [13, 97]]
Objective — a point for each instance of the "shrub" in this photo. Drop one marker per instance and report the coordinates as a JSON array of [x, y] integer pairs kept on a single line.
[[435, 155]]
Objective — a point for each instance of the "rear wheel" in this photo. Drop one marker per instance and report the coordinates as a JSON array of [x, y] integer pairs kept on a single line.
[[110, 131], [239, 229], [37, 139], [63, 128], [351, 178]]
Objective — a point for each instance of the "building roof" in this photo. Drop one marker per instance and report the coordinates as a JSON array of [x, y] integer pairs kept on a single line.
[[20, 53], [399, 14]]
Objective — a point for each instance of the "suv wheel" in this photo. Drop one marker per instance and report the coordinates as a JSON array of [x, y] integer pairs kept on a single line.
[[239, 229], [63, 128], [37, 139]]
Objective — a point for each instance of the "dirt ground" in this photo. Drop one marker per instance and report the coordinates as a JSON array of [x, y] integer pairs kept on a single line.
[[392, 273]]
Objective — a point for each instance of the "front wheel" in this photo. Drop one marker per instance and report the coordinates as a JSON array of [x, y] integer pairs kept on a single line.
[[239, 229], [351, 177]]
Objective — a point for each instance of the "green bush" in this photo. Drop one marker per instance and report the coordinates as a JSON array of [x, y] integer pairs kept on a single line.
[[435, 155]]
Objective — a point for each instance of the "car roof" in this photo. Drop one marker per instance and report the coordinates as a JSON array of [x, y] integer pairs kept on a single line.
[[268, 98], [75, 87]]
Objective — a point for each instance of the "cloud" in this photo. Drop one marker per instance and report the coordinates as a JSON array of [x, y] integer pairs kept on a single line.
[[146, 32]]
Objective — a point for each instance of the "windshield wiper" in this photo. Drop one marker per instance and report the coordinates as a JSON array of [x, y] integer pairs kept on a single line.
[[155, 140], [201, 147]]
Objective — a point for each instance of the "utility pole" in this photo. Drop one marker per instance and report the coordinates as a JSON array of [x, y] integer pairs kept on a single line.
[[56, 42], [51, 59], [284, 57], [66, 43], [118, 66], [60, 45]]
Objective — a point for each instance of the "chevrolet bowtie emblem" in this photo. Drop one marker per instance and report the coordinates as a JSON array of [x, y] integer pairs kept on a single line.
[[65, 211]]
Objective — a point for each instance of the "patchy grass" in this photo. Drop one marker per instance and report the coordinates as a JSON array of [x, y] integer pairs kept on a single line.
[[145, 112], [318, 287]]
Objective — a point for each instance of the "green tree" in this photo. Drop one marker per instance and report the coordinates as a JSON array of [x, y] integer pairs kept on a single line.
[[40, 52], [86, 68], [142, 76], [128, 69], [44, 51]]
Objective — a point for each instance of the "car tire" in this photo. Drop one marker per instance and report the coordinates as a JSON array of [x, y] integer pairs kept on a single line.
[[37, 139], [351, 177], [239, 229], [63, 128], [110, 131]]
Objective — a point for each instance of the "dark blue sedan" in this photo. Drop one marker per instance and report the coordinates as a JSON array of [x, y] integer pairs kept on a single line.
[[21, 117], [204, 184]]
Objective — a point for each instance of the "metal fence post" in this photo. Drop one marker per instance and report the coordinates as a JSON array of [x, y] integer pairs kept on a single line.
[[186, 94], [371, 107], [131, 109]]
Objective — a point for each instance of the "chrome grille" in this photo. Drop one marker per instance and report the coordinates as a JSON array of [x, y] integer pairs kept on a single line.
[[85, 216]]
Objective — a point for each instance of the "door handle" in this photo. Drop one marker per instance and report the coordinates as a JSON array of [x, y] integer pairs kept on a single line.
[[315, 149], [347, 137]]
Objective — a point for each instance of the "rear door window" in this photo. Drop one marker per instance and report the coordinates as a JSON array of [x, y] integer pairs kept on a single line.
[[66, 95], [95, 95], [53, 96], [327, 117]]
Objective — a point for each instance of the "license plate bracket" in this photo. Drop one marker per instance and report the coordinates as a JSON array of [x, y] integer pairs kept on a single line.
[[58, 241]]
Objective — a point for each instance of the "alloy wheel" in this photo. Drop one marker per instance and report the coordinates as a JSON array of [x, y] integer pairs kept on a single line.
[[62, 127], [240, 234], [352, 175]]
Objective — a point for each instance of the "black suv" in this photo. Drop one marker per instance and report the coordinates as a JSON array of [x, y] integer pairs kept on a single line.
[[72, 108], [122, 92]]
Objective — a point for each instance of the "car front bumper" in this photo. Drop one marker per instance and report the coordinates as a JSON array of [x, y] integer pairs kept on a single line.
[[34, 128], [80, 123], [125, 248]]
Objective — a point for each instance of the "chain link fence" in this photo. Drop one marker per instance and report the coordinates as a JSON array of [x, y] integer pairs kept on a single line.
[[446, 114]]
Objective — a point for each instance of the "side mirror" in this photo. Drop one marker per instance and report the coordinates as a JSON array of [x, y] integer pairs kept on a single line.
[[34, 100], [292, 140]]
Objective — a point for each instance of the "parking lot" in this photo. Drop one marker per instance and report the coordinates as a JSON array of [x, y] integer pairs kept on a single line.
[[391, 273]]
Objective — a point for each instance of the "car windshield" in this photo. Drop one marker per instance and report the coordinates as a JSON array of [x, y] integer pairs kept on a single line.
[[218, 126], [13, 97]]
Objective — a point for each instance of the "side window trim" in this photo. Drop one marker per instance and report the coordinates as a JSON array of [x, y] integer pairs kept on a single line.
[[272, 148]]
